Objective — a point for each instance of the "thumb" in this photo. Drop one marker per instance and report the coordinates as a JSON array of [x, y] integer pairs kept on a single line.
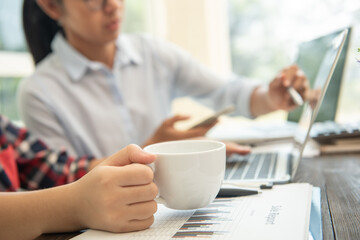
[[285, 80], [289, 75], [278, 81], [130, 154]]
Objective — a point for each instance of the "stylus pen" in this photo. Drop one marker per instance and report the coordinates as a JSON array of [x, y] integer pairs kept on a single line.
[[236, 192], [295, 96], [261, 185]]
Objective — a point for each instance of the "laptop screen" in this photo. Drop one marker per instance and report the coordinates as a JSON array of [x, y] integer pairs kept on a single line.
[[309, 59], [316, 95]]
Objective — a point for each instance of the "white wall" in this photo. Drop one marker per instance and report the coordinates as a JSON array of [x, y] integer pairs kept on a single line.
[[14, 64], [199, 26]]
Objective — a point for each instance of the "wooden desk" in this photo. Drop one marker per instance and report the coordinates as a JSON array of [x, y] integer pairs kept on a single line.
[[338, 176], [339, 179]]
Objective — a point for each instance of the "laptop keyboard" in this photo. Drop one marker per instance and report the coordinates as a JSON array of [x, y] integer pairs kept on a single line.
[[252, 166]]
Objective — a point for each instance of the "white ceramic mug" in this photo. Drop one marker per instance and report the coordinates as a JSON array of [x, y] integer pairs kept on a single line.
[[188, 173]]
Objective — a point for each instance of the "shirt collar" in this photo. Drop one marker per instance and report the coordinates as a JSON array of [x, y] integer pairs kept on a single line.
[[77, 64], [126, 51], [74, 62]]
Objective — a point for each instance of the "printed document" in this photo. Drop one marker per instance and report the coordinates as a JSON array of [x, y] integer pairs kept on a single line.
[[280, 213]]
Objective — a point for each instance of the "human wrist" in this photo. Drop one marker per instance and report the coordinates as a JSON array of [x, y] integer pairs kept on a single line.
[[269, 100], [64, 208], [76, 206], [261, 101]]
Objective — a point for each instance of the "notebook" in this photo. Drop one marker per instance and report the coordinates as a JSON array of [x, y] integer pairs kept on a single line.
[[280, 166]]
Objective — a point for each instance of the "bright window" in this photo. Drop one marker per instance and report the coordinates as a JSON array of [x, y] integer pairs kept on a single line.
[[264, 35]]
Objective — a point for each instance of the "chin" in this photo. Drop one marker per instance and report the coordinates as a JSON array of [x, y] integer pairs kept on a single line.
[[108, 38], [113, 35]]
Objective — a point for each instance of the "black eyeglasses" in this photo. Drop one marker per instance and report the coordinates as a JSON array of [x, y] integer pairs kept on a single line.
[[96, 5]]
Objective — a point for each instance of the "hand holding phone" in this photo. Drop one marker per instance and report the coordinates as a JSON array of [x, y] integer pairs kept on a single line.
[[214, 117]]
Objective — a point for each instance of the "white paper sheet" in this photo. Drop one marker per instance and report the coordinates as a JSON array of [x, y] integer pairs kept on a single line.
[[280, 213]]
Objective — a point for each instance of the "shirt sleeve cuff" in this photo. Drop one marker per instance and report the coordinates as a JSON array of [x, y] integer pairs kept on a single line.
[[243, 101]]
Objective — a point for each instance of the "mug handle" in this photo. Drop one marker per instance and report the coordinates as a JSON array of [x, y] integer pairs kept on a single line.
[[158, 199]]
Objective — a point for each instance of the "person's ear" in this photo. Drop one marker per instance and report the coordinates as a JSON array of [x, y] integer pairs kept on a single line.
[[51, 8]]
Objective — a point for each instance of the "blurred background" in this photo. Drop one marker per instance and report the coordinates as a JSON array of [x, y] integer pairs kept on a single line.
[[254, 38]]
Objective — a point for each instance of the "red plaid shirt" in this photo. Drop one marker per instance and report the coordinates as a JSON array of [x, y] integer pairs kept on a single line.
[[27, 162]]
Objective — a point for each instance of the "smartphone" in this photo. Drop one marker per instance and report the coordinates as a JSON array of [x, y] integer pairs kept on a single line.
[[214, 117]]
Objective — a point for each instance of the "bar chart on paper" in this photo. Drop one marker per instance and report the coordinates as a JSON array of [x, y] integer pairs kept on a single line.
[[167, 223], [215, 221], [281, 213]]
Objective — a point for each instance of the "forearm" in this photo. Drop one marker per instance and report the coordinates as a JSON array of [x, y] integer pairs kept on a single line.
[[26, 215], [260, 102]]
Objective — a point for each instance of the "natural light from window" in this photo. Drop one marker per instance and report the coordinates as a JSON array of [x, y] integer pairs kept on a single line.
[[264, 35]]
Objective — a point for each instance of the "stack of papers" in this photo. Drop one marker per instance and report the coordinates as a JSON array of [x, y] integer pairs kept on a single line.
[[254, 132], [280, 213]]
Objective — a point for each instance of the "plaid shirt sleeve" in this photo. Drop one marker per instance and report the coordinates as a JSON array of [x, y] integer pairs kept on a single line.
[[40, 167]]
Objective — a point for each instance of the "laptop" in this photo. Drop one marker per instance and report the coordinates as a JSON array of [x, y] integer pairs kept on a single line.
[[309, 58], [280, 166]]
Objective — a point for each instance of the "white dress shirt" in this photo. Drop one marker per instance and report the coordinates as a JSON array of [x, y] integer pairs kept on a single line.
[[73, 102]]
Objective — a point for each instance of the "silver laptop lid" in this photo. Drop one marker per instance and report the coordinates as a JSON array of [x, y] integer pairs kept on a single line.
[[311, 108]]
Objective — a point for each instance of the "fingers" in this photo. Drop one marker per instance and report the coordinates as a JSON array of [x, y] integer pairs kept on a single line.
[[301, 85], [198, 131], [136, 225], [300, 80], [289, 75], [293, 76], [139, 216], [143, 210], [171, 121], [312, 96], [118, 198], [232, 148], [201, 130], [278, 81], [130, 226], [138, 194], [129, 154], [133, 174]]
